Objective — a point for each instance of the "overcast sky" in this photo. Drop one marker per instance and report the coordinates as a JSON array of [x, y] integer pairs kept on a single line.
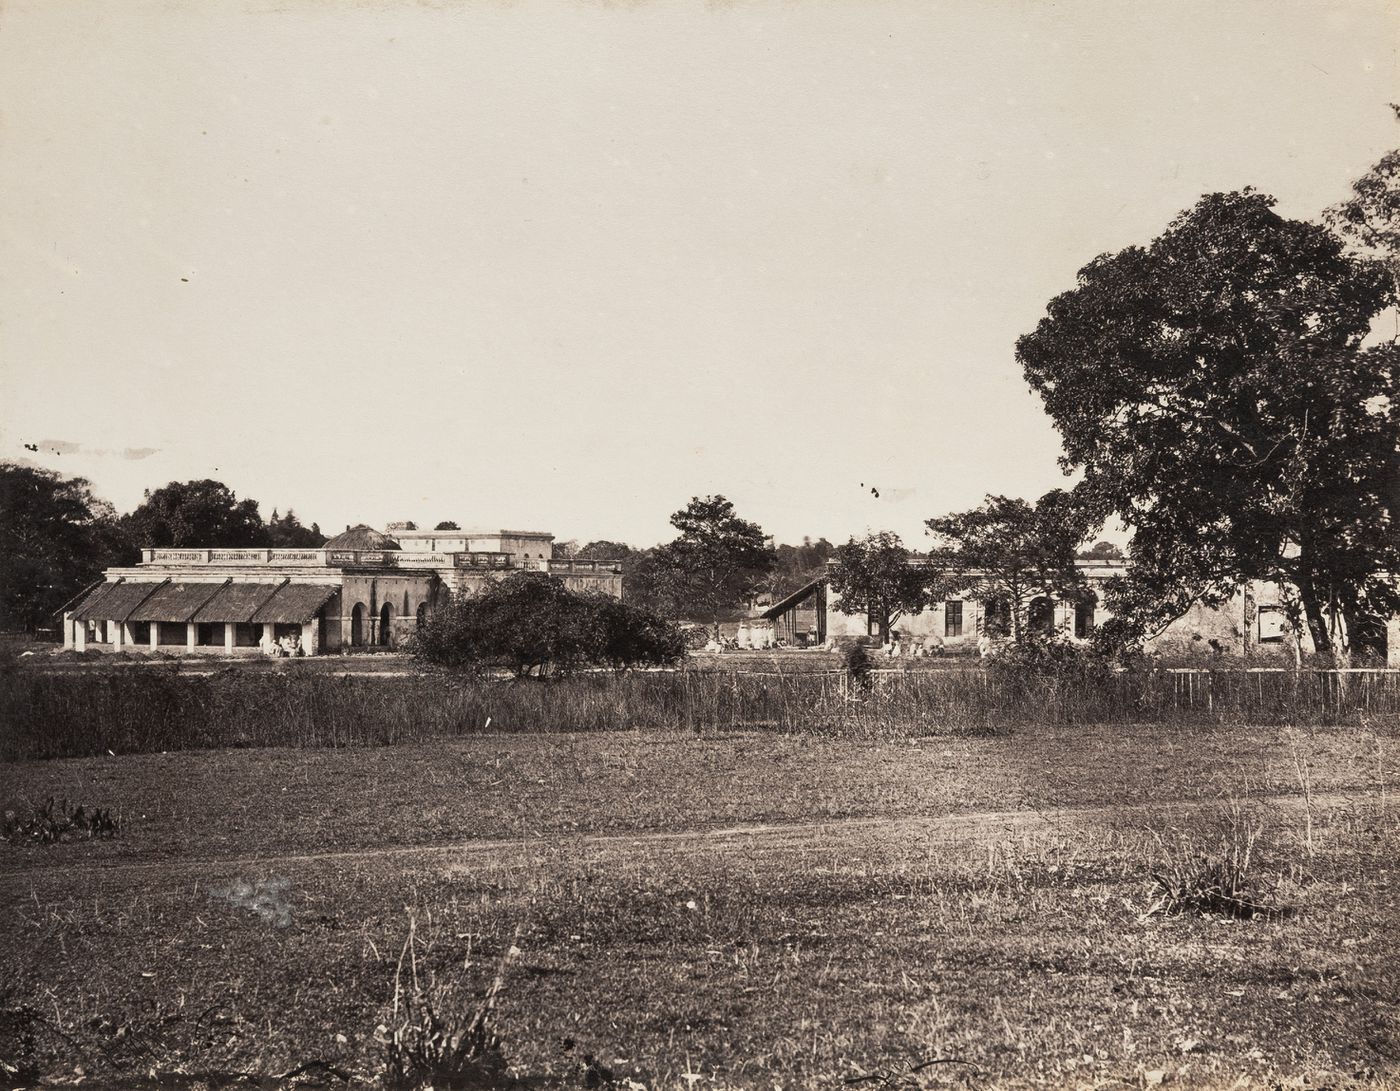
[[563, 266]]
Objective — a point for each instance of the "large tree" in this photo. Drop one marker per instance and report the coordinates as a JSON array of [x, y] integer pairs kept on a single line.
[[196, 513], [877, 576], [716, 561], [1214, 391], [55, 538], [1010, 552]]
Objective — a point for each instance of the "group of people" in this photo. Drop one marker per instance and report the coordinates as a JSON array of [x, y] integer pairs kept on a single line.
[[915, 648], [287, 647]]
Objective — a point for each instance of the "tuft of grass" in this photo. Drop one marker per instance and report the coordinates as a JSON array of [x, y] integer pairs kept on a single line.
[[1215, 874], [47, 822], [435, 1044]]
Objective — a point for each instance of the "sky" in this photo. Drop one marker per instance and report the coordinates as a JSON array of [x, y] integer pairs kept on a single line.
[[562, 266]]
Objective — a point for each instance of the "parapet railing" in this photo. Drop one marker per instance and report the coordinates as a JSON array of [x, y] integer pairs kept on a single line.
[[566, 565], [331, 558]]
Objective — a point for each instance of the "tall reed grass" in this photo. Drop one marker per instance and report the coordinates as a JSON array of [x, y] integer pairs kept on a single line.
[[75, 713]]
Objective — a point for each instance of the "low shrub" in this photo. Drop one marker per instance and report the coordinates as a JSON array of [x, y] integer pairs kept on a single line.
[[436, 1042], [858, 665], [1032, 662], [47, 822], [1214, 874]]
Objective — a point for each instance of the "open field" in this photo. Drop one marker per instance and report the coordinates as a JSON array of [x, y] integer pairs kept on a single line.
[[757, 910]]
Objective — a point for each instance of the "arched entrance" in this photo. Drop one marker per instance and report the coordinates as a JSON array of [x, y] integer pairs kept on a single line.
[[1040, 618], [357, 625], [386, 625], [422, 614], [1084, 616]]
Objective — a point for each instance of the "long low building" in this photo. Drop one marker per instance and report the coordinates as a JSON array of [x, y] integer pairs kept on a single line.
[[362, 589], [1254, 621]]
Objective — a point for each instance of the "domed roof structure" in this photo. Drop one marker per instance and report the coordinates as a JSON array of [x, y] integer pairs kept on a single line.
[[361, 537]]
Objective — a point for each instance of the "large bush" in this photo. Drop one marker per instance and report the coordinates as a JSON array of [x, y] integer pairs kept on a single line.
[[530, 622]]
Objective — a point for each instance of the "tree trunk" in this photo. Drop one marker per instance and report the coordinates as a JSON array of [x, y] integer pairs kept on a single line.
[[1312, 612]]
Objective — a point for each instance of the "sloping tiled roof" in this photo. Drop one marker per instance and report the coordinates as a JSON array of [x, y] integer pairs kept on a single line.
[[115, 601], [295, 602], [174, 602], [90, 601], [237, 602], [361, 537], [785, 604]]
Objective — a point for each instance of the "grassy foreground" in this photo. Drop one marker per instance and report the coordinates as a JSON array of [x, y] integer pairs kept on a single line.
[[743, 911]]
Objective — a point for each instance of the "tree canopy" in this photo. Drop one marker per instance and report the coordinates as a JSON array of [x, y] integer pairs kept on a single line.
[[798, 565], [1214, 391], [286, 532], [1010, 552], [55, 539], [877, 576], [1369, 220], [716, 561], [530, 622], [196, 513], [1102, 551]]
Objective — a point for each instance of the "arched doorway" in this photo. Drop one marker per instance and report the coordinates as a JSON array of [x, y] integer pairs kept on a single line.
[[422, 614], [1084, 616], [1040, 618], [386, 625], [357, 625]]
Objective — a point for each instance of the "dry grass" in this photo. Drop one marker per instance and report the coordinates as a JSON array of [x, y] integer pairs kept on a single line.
[[95, 710]]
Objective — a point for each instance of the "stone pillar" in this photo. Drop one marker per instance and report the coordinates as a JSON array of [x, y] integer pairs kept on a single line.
[[311, 637], [229, 629], [1392, 643], [155, 636], [118, 634], [191, 635], [265, 638], [80, 636], [68, 638]]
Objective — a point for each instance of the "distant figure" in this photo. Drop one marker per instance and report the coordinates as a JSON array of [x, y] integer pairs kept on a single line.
[[984, 645]]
